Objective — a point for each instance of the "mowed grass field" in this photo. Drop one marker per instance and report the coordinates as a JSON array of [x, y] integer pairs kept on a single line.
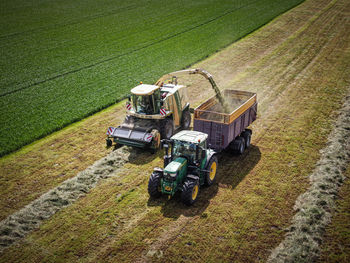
[[64, 60]]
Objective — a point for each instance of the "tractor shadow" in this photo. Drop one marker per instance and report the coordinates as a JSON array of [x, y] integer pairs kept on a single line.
[[231, 171]]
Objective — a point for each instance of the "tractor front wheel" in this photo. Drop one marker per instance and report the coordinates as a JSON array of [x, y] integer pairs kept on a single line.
[[190, 192], [211, 168], [154, 185]]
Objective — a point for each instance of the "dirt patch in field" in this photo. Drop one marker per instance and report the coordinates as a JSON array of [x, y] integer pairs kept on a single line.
[[30, 217], [302, 242]]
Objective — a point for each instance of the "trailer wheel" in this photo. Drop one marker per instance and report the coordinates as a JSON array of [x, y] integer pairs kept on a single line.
[[241, 144], [186, 119], [247, 138], [212, 168], [190, 192], [154, 185], [167, 129]]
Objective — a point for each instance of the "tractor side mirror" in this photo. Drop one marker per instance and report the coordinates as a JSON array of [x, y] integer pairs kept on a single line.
[[129, 98]]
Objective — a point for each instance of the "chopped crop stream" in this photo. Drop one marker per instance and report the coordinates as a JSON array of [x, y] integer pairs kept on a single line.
[[64, 60]]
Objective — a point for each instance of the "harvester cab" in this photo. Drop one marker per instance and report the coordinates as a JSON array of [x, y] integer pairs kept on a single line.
[[188, 164]]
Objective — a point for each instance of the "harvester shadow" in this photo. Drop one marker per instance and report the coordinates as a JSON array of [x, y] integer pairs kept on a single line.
[[231, 171]]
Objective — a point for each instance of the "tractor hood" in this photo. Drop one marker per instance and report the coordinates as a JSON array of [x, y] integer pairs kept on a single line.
[[175, 165]]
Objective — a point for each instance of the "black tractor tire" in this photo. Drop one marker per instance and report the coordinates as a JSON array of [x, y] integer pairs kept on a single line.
[[241, 146], [186, 120], [190, 192], [167, 129], [154, 185], [247, 135], [109, 143], [212, 168]]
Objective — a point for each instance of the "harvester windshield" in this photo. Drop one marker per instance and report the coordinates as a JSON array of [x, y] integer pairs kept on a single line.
[[146, 99], [143, 104]]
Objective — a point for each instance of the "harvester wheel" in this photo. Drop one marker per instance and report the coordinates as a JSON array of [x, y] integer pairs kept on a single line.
[[155, 140], [212, 168], [154, 185], [186, 119], [190, 192], [109, 142], [167, 129]]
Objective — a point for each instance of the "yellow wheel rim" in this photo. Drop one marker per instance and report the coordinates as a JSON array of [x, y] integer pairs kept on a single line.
[[212, 171], [194, 192]]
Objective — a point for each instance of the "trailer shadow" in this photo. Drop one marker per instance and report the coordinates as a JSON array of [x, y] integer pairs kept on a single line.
[[232, 170]]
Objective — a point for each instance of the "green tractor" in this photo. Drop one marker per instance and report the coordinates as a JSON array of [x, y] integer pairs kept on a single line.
[[189, 165]]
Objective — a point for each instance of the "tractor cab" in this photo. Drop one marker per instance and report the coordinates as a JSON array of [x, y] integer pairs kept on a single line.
[[189, 144]]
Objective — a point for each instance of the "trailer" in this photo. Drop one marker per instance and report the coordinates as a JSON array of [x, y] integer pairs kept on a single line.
[[227, 129]]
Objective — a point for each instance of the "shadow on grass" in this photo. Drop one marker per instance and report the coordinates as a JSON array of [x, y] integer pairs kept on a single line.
[[231, 171]]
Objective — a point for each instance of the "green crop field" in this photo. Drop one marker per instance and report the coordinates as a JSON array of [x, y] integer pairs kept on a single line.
[[64, 60]]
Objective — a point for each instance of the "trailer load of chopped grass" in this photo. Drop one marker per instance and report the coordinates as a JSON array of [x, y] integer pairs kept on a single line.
[[64, 60]]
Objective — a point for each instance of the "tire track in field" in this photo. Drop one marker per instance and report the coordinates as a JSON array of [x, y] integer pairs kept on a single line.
[[19, 224], [127, 53]]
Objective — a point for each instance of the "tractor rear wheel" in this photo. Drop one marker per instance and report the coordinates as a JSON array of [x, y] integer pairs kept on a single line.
[[154, 185], [190, 192], [167, 129], [186, 120], [212, 168]]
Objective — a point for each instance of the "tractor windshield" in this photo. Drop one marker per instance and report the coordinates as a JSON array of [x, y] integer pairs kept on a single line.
[[143, 104], [185, 149]]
